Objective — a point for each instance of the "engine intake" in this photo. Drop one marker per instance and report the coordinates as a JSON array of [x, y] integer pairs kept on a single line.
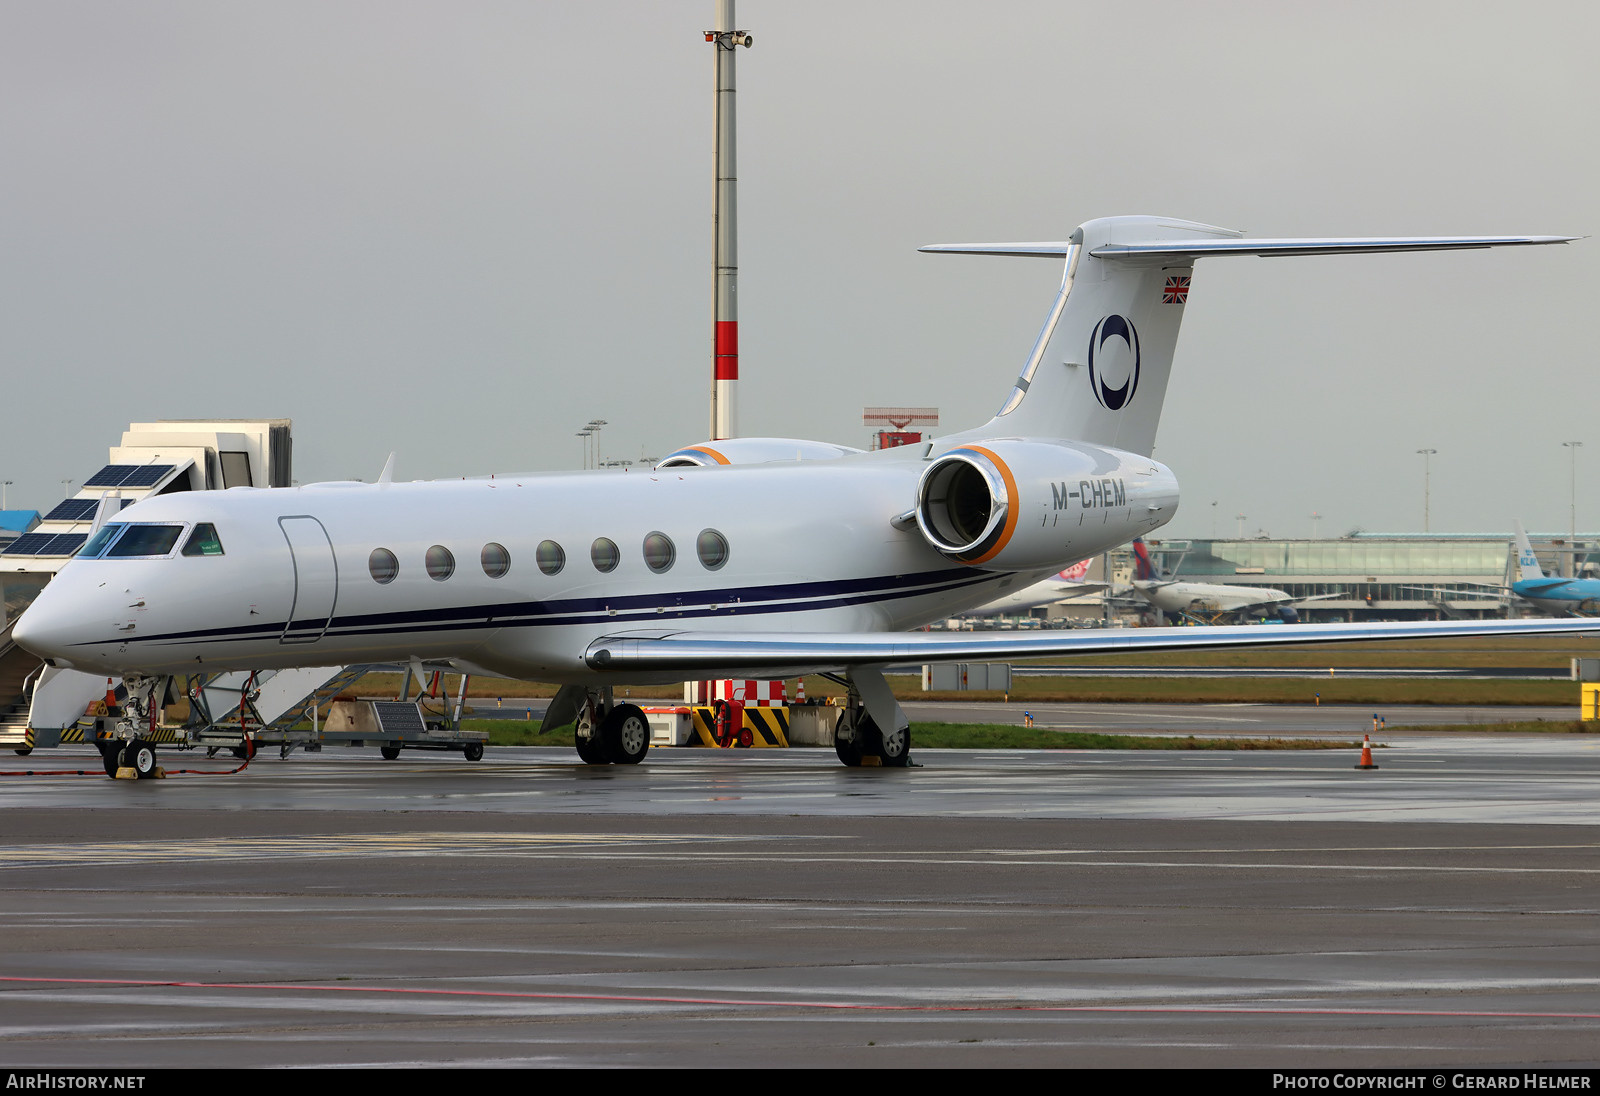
[[963, 504]]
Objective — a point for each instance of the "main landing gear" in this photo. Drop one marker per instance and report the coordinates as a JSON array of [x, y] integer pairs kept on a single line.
[[859, 738], [605, 732]]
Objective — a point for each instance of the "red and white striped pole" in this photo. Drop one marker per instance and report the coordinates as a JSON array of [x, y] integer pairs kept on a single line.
[[725, 246]]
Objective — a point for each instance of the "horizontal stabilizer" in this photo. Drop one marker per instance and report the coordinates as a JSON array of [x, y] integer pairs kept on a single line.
[[1193, 248], [1035, 251]]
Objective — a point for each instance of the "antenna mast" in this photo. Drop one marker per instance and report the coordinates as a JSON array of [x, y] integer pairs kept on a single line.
[[725, 244]]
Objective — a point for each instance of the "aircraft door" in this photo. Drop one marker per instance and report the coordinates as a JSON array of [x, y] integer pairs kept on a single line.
[[316, 579]]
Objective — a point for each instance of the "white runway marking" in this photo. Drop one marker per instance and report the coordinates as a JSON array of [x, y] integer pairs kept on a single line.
[[616, 846]]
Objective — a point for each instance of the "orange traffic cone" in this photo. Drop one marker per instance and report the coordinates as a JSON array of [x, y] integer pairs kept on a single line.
[[800, 691], [1366, 753], [111, 698]]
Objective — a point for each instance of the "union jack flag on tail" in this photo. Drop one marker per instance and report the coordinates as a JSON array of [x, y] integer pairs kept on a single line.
[[1177, 289]]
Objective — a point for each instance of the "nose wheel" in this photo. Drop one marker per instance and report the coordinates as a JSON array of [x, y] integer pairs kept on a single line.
[[140, 756]]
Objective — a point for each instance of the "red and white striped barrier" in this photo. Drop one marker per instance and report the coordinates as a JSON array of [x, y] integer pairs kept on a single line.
[[754, 694]]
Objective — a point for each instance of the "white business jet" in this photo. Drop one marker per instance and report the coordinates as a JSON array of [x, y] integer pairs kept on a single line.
[[596, 579]]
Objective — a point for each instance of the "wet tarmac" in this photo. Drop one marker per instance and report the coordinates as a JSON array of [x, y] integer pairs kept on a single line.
[[774, 908]]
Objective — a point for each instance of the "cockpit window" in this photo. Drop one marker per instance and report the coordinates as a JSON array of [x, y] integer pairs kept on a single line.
[[203, 541], [146, 540], [98, 542]]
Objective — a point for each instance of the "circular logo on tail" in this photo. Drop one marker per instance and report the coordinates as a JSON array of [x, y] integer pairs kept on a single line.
[[1114, 362]]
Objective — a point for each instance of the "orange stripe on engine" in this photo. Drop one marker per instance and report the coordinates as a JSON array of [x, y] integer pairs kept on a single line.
[[710, 452], [1012, 506]]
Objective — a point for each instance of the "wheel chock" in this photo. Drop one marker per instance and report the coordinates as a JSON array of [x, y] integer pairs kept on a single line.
[[126, 772], [1366, 753]]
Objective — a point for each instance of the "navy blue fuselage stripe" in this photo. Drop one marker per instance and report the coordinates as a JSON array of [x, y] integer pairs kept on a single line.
[[731, 601]]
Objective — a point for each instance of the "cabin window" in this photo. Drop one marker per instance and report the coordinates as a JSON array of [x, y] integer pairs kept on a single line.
[[146, 540], [659, 552], [441, 564], [496, 560], [712, 548], [383, 566], [98, 542], [203, 541], [604, 554], [550, 556]]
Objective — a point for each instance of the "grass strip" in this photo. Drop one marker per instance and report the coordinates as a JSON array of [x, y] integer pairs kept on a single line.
[[1528, 726], [969, 736]]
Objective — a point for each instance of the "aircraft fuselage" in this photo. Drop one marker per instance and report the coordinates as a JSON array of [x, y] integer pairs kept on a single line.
[[515, 575]]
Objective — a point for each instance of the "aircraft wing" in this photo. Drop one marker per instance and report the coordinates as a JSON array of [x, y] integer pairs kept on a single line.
[[1460, 595], [1067, 591], [789, 653]]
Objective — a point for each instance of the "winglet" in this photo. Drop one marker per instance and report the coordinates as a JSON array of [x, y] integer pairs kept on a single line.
[[387, 475]]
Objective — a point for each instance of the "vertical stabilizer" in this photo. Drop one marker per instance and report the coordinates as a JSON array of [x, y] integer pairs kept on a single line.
[[1527, 562], [1098, 370], [1144, 570]]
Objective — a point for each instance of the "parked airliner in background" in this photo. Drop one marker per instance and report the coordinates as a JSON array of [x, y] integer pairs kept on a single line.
[[1554, 595], [596, 579], [1061, 586], [1209, 600]]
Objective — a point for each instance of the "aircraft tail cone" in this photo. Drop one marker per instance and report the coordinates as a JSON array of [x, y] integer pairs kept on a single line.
[[1366, 753]]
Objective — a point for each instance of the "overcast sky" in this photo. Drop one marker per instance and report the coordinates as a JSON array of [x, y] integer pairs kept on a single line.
[[460, 231]]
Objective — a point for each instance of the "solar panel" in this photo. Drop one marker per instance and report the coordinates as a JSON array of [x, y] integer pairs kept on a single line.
[[146, 475], [28, 544], [63, 544], [111, 475], [73, 510], [129, 475]]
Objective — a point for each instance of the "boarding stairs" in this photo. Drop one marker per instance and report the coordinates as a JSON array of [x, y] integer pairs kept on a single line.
[[226, 709], [16, 668], [1446, 610]]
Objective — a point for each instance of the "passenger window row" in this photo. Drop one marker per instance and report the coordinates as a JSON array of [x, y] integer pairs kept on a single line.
[[659, 555]]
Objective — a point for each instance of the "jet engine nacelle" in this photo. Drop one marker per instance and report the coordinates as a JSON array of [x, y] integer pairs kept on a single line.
[[1020, 504], [752, 451]]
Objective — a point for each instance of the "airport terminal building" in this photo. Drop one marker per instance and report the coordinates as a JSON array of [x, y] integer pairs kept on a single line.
[[1409, 576]]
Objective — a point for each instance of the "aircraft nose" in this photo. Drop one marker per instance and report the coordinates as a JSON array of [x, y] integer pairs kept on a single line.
[[26, 632], [43, 632]]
